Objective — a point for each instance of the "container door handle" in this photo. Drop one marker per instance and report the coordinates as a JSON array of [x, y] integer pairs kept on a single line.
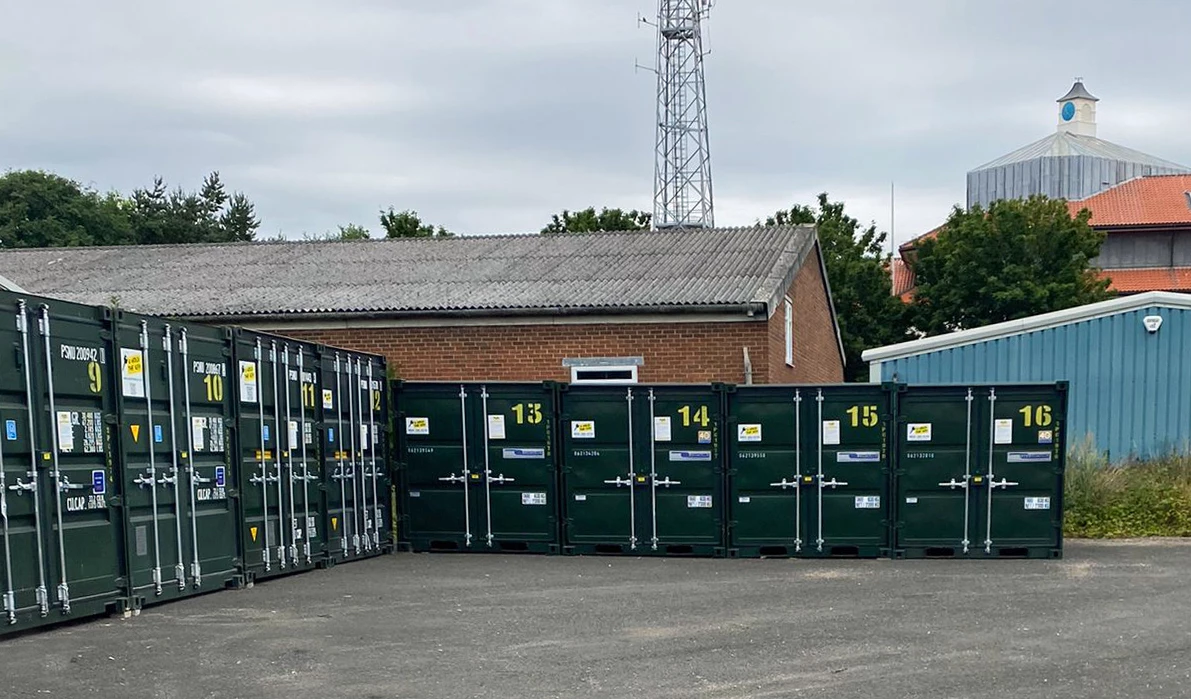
[[785, 484], [620, 481], [667, 482], [500, 479], [832, 483], [453, 478], [1003, 483], [953, 484]]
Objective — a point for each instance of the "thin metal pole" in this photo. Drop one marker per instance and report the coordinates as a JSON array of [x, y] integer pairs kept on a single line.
[[179, 567], [42, 593], [63, 586], [196, 569], [306, 544]]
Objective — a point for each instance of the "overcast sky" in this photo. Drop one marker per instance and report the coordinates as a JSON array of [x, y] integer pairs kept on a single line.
[[486, 116]]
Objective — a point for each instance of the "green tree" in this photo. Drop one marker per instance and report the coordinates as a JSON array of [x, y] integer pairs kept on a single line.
[[239, 221], [210, 215], [588, 221], [407, 224], [1018, 258], [41, 209], [858, 272]]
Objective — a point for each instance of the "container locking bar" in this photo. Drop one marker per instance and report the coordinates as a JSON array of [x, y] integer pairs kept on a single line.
[[453, 478], [797, 471], [374, 442], [500, 479], [618, 481], [653, 473], [281, 547], [9, 595], [787, 484], [831, 483], [339, 474], [632, 475], [992, 428], [60, 481], [819, 477], [467, 537], [666, 482], [196, 568], [43, 595], [152, 475], [306, 477], [172, 478], [487, 468], [1003, 483]]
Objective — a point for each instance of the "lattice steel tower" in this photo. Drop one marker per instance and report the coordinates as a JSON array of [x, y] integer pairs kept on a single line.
[[682, 173]]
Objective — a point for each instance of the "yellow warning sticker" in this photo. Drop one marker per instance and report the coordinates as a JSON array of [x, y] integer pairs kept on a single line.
[[252, 531], [335, 523], [132, 364], [136, 432]]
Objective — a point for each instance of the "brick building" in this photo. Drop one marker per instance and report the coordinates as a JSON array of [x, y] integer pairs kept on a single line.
[[736, 305]]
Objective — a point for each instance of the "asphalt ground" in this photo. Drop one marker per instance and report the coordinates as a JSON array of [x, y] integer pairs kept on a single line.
[[1109, 620]]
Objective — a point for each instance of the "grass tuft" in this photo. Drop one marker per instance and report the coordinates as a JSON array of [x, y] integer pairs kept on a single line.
[[1126, 499]]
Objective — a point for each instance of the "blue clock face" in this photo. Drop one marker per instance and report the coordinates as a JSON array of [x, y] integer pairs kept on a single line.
[[1068, 111]]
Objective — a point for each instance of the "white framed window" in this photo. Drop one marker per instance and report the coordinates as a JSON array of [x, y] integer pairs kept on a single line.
[[604, 374], [789, 308]]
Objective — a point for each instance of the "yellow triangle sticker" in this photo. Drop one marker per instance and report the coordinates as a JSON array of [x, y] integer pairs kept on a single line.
[[335, 523], [252, 531], [136, 432]]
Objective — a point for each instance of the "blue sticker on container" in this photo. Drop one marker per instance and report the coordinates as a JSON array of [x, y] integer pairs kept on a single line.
[[1026, 457], [10, 429], [523, 453], [331, 435], [220, 476], [853, 457], [99, 482], [690, 456], [157, 433], [265, 432]]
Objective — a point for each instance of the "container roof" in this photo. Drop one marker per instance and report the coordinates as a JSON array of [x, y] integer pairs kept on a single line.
[[1026, 325], [1065, 143], [614, 272]]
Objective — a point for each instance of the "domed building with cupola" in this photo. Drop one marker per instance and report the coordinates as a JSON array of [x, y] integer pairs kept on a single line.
[[1142, 201]]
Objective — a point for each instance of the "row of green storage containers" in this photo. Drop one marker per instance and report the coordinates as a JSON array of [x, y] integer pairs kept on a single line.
[[868, 470], [144, 460]]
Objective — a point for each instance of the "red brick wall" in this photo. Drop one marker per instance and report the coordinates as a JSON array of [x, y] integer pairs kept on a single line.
[[816, 348], [698, 352], [673, 352]]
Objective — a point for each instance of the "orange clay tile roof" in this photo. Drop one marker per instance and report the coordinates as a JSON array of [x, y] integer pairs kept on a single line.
[[1149, 279], [1145, 201], [903, 278]]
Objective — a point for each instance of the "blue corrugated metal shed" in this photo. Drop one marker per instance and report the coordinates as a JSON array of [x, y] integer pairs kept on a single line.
[[1130, 389]]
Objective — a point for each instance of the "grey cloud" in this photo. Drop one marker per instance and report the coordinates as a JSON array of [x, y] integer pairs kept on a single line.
[[488, 116]]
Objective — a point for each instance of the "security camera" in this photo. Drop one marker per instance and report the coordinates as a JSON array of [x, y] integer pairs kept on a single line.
[[1152, 323]]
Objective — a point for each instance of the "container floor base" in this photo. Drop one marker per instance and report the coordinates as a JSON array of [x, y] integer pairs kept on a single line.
[[624, 549], [478, 545], [81, 611], [977, 552], [214, 582], [789, 550]]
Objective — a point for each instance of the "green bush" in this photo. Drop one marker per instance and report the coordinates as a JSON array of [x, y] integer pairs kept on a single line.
[[1126, 499]]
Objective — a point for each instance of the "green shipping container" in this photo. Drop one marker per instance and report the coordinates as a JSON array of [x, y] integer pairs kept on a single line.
[[177, 479], [642, 469], [477, 466], [60, 515], [809, 470], [265, 533], [980, 470], [356, 477], [302, 496]]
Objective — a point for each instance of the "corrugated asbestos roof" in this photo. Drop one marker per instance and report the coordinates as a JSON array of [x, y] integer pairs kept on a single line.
[[601, 271], [1065, 143]]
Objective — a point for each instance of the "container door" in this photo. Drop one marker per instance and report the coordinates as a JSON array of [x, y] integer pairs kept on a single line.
[[848, 512], [938, 472], [440, 475], [24, 532], [341, 457], [84, 553], [518, 501], [683, 500], [377, 478], [1023, 488], [208, 390], [151, 403], [302, 398], [266, 547], [602, 474], [359, 438], [766, 474]]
